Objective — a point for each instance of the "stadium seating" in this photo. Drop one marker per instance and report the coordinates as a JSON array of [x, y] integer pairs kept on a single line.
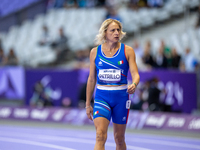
[[81, 25]]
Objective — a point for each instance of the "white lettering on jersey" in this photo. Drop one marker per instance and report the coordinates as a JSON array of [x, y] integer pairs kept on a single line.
[[109, 75]]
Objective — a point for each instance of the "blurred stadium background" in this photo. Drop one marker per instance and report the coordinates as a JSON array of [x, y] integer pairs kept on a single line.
[[44, 60]]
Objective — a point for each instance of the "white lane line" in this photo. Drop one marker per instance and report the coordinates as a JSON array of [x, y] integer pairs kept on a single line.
[[162, 142], [12, 140], [80, 140], [146, 135], [129, 147], [66, 139]]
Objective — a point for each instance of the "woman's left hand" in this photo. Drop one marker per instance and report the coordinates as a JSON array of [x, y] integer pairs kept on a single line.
[[131, 88]]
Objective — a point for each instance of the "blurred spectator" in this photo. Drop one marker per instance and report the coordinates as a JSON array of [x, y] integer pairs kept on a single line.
[[175, 59], [60, 46], [144, 95], [81, 3], [112, 13], [101, 2], [189, 61], [198, 18], [154, 95], [147, 57], [2, 57], [79, 56], [86, 59], [56, 3], [138, 49], [1, 47], [66, 102], [160, 59], [142, 3], [112, 3], [45, 39], [155, 3], [133, 4], [82, 59], [139, 54], [41, 96], [11, 58], [70, 3], [167, 52], [137, 99], [91, 3]]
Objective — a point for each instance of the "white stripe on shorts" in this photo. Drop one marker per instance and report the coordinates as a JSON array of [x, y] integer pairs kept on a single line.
[[112, 87], [101, 104]]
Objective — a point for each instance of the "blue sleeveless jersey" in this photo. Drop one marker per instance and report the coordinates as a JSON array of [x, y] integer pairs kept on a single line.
[[111, 70]]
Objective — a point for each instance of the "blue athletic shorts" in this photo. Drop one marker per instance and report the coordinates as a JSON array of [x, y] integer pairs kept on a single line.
[[112, 104]]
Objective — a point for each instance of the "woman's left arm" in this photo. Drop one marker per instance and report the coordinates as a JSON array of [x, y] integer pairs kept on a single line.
[[130, 55]]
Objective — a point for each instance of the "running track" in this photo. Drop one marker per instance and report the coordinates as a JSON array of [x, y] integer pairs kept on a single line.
[[41, 138]]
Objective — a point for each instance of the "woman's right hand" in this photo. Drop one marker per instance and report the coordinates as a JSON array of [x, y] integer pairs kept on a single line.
[[89, 112]]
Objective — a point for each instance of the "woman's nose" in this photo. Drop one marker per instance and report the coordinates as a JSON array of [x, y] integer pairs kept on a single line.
[[116, 32]]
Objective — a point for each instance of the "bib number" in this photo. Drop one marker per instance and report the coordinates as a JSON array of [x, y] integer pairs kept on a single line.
[[128, 104]]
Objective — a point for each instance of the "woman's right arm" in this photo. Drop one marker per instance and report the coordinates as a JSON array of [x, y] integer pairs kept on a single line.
[[91, 83]]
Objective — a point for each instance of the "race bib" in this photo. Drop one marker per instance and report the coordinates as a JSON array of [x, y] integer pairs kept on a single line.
[[109, 75]]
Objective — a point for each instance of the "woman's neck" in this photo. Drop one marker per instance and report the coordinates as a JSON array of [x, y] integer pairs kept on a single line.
[[111, 46], [110, 49]]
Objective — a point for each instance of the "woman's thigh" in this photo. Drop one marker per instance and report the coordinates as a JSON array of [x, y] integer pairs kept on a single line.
[[119, 130], [101, 124]]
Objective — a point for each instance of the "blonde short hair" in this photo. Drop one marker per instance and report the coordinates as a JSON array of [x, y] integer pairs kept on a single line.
[[101, 38]]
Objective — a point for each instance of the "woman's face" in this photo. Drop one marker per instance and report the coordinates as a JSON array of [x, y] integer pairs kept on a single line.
[[113, 32]]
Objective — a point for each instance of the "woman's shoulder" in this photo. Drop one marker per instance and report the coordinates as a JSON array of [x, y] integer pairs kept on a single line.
[[128, 48], [94, 49]]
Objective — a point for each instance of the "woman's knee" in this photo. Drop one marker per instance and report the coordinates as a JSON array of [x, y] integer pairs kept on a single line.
[[119, 139], [101, 136]]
